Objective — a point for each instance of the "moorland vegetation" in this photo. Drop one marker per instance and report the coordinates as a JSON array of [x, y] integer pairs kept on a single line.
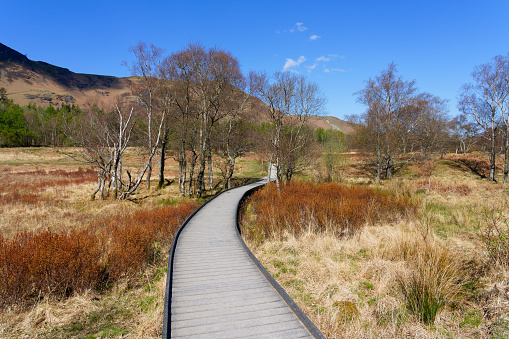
[[398, 229]]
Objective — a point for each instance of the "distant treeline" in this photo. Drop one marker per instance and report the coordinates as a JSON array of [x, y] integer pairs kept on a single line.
[[32, 125]]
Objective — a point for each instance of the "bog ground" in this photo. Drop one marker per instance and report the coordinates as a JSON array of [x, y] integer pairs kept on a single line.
[[356, 272]]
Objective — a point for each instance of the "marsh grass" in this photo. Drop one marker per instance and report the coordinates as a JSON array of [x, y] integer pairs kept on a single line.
[[427, 273], [332, 208], [435, 280]]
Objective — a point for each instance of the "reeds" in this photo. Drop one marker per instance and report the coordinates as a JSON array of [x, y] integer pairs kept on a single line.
[[300, 207]]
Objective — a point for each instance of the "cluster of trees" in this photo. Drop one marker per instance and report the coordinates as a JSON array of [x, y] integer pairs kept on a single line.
[[13, 129], [195, 104], [399, 120], [32, 125], [401, 123]]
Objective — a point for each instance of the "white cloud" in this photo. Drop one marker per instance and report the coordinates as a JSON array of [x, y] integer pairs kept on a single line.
[[314, 37], [326, 70], [338, 70], [312, 67], [301, 27], [290, 63], [322, 58]]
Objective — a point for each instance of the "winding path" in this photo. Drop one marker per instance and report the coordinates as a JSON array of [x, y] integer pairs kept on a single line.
[[216, 288]]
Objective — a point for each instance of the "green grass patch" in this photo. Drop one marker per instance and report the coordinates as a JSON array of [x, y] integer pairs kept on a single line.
[[472, 318]]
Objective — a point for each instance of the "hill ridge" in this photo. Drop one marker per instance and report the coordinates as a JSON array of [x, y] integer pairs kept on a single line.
[[28, 81]]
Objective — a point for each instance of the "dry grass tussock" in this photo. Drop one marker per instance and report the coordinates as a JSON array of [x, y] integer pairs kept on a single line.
[[135, 311], [438, 271], [383, 282]]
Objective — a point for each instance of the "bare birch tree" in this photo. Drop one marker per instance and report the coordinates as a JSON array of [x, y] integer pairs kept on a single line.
[[385, 121], [431, 130], [234, 134], [486, 102], [178, 73], [146, 68], [102, 136], [217, 73], [464, 132], [291, 101]]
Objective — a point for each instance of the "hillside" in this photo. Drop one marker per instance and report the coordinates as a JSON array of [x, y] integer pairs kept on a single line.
[[42, 83], [29, 81], [329, 122]]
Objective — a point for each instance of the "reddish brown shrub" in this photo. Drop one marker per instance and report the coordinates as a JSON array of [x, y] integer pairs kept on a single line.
[[300, 206], [35, 265], [438, 187], [34, 181], [131, 240], [20, 198]]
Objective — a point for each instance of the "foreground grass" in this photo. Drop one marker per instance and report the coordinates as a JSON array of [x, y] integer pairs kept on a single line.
[[133, 308], [350, 289], [43, 192], [429, 274]]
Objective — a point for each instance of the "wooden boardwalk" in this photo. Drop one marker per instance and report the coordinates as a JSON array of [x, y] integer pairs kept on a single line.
[[217, 289]]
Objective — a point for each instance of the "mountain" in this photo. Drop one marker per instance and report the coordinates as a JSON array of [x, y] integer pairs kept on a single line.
[[29, 81], [329, 122], [37, 81]]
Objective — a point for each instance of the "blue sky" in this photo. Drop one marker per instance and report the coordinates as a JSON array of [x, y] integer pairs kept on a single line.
[[337, 44]]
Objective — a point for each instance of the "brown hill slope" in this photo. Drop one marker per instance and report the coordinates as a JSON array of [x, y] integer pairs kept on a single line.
[[329, 122], [36, 81], [29, 81]]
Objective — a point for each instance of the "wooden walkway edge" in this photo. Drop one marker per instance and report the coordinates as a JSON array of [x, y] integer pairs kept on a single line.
[[216, 288]]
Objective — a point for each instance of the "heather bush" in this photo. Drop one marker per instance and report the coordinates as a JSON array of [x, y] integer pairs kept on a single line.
[[132, 240], [301, 206], [38, 265], [35, 265]]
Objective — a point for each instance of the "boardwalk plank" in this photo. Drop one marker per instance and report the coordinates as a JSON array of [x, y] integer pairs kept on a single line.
[[218, 290]]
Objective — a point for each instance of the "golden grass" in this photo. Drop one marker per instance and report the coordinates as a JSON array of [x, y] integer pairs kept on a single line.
[[131, 305], [136, 311], [371, 284], [349, 287]]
